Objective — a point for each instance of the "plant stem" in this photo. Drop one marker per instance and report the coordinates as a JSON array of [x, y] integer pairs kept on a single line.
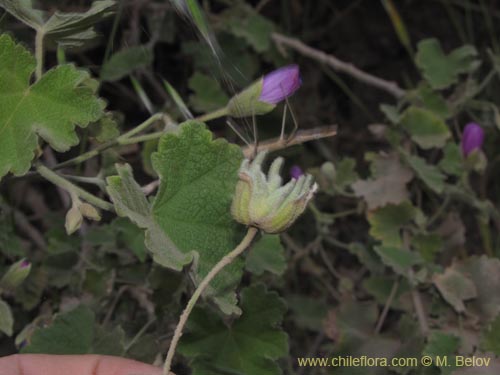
[[39, 54], [238, 250], [212, 115], [118, 141], [56, 179], [141, 138]]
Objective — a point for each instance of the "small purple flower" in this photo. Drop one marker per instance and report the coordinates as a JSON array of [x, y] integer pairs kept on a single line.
[[472, 138], [25, 263], [280, 84], [296, 172]]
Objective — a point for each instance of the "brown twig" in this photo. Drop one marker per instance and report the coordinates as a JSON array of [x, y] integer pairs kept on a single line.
[[300, 137], [387, 306], [339, 65]]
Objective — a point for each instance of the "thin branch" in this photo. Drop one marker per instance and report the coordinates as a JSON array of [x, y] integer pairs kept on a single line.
[[339, 65], [300, 137], [387, 306], [60, 181]]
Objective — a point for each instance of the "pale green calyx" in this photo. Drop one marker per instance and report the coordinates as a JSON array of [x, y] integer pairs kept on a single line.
[[247, 102], [262, 201]]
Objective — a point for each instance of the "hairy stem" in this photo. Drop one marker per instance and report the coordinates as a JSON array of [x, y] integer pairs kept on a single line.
[[39, 54], [228, 259], [212, 115], [122, 139], [60, 181]]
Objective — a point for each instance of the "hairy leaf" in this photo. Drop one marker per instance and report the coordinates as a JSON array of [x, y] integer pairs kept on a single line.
[[398, 259], [67, 29], [442, 70], [455, 287], [124, 62], [50, 108], [76, 332], [429, 174], [426, 129], [386, 222], [189, 219], [250, 345], [267, 255], [208, 95]]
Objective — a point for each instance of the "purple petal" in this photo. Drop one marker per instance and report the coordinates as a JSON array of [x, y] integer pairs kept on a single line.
[[296, 172], [280, 84], [25, 263], [472, 138]]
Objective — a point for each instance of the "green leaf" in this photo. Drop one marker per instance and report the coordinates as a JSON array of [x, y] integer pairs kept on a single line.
[[455, 287], [108, 341], [429, 174], [250, 345], [208, 95], [67, 29], [74, 29], [130, 201], [267, 255], [244, 22], [24, 11], [452, 161], [50, 108], [491, 338], [70, 333], [105, 129], [442, 70], [189, 218], [428, 245], [398, 259], [132, 237], [386, 222], [433, 101], [308, 312], [426, 129], [6, 318], [442, 345], [345, 173], [124, 62], [380, 287], [76, 332]]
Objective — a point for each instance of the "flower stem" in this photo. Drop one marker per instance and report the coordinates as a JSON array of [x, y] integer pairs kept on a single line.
[[221, 112], [39, 54], [228, 259], [118, 141], [60, 181], [141, 138]]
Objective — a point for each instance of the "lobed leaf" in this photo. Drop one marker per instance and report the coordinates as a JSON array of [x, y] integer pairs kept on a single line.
[[50, 108], [250, 345], [442, 70], [189, 220]]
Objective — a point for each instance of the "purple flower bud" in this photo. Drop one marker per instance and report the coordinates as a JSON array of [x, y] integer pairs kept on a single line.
[[296, 172], [472, 138], [25, 263], [280, 84]]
